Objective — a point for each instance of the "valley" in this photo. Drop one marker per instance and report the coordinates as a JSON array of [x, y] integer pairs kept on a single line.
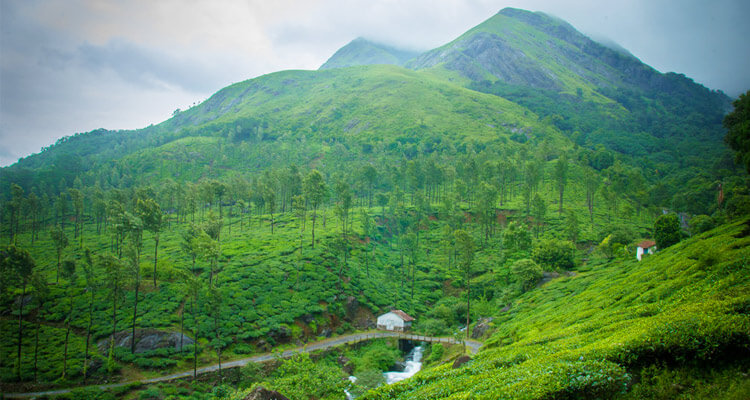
[[495, 188]]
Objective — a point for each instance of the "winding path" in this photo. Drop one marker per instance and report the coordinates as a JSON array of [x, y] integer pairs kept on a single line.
[[310, 347]]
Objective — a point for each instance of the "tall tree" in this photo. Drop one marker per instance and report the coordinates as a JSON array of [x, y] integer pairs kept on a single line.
[[187, 244], [571, 226], [298, 205], [315, 192], [343, 205], [16, 203], [41, 295], [561, 177], [215, 302], [591, 182], [208, 249], [370, 176], [69, 273], [366, 221], [77, 198], [114, 273], [91, 288], [61, 209], [19, 262], [61, 242], [131, 255], [34, 207], [465, 245], [151, 215], [540, 210], [486, 208], [193, 286], [269, 194]]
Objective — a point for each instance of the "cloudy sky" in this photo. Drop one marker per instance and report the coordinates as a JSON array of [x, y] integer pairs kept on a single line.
[[72, 66]]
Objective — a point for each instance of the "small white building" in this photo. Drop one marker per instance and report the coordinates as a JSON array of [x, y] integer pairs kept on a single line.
[[395, 320], [645, 247]]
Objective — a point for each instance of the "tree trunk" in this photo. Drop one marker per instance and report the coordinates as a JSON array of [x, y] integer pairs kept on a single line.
[[57, 274], [195, 339], [468, 308], [67, 336], [314, 216], [135, 312], [36, 342], [20, 330], [88, 338], [156, 255], [182, 325], [218, 345]]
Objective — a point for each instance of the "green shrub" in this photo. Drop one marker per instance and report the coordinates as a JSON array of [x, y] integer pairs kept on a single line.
[[701, 223], [243, 348], [666, 231], [554, 254], [432, 327], [151, 393], [526, 273], [436, 353]]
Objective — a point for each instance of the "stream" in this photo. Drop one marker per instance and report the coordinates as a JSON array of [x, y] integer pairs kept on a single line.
[[413, 365], [413, 362]]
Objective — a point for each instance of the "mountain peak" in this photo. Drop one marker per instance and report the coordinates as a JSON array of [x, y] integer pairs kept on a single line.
[[362, 51], [535, 49]]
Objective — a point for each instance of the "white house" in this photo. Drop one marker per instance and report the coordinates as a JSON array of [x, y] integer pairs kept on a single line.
[[645, 247], [395, 320]]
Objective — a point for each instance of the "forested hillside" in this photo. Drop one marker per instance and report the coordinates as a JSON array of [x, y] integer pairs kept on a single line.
[[300, 204]]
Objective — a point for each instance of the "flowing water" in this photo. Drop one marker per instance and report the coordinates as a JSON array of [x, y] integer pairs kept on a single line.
[[413, 365], [349, 396]]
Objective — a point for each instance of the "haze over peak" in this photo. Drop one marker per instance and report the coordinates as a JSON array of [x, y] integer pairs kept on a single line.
[[361, 51], [47, 64]]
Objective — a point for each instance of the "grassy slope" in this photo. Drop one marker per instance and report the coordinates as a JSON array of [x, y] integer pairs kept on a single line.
[[308, 114], [591, 335]]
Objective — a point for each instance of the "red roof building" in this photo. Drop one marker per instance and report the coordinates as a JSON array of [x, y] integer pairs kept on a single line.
[[645, 247]]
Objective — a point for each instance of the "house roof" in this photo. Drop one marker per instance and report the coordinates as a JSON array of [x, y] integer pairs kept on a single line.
[[646, 244], [404, 316]]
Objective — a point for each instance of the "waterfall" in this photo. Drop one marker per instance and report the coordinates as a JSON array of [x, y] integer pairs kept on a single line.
[[413, 365]]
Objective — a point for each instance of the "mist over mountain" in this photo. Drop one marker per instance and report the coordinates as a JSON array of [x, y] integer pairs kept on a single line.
[[361, 51]]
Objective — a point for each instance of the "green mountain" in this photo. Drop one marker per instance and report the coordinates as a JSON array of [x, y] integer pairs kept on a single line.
[[361, 51], [555, 83], [300, 204]]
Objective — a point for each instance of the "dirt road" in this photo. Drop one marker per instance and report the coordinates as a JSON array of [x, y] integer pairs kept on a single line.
[[310, 347]]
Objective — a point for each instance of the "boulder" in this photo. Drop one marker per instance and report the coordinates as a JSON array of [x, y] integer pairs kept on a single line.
[[461, 361], [146, 340], [261, 393], [351, 306], [481, 328], [346, 364], [281, 334]]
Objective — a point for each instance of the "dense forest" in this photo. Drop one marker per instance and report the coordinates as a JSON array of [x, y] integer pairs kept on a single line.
[[300, 205]]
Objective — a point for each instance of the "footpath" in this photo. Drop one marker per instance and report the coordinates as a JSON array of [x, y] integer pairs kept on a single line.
[[310, 347]]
